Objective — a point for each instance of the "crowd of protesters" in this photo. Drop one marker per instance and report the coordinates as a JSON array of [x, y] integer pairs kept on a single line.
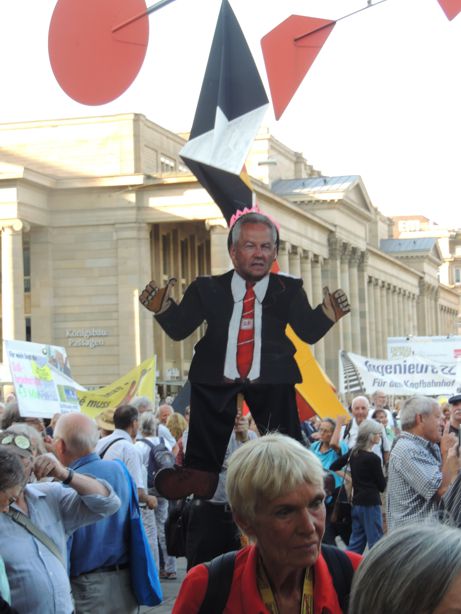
[[392, 467]]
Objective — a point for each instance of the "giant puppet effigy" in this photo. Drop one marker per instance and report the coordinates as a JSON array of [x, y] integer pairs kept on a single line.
[[245, 350]]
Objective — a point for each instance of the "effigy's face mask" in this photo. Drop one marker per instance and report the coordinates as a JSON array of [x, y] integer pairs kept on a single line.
[[254, 252]]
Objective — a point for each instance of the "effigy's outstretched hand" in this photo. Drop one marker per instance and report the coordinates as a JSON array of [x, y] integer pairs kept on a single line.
[[157, 299], [335, 304]]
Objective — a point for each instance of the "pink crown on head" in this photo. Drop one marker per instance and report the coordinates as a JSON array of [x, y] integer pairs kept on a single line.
[[254, 209]]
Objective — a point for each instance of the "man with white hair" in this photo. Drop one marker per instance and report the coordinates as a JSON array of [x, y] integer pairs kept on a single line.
[[420, 471], [142, 404], [99, 554], [162, 415], [360, 408]]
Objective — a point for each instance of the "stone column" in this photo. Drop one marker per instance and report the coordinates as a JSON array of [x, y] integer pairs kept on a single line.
[[395, 311], [135, 336], [347, 324], [318, 280], [365, 314], [294, 261], [437, 325], [283, 257], [220, 259], [401, 313], [13, 319], [331, 277], [385, 334], [414, 314], [42, 283], [354, 300], [390, 320], [306, 274], [430, 309], [315, 299], [372, 350], [422, 319], [407, 312], [378, 318]]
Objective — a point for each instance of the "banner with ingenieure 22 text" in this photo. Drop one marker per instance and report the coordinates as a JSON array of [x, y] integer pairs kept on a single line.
[[405, 376]]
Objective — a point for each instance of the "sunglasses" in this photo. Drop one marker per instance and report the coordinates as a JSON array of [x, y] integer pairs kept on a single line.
[[20, 441]]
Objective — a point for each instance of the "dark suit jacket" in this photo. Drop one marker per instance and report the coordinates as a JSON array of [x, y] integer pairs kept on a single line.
[[210, 299]]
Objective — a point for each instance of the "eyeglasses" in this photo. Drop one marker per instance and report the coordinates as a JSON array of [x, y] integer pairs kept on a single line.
[[20, 441]]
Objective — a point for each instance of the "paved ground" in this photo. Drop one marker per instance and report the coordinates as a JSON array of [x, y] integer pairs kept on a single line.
[[170, 589]]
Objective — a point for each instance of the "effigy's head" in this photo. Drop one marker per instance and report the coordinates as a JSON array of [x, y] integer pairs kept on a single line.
[[253, 244]]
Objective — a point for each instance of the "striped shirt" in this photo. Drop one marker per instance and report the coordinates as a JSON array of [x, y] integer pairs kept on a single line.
[[415, 475]]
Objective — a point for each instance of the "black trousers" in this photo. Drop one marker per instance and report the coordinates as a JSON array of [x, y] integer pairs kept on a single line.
[[210, 532], [212, 415]]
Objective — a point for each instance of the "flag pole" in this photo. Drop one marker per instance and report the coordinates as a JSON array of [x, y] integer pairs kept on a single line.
[[151, 9], [301, 36]]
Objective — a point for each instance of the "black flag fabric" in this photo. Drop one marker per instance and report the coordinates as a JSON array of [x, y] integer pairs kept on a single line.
[[230, 109]]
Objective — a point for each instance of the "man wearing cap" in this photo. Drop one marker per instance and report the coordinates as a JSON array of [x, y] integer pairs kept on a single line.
[[244, 350], [99, 554], [455, 414], [105, 422]]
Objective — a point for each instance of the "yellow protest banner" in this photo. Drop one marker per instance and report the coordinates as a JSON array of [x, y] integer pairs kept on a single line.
[[315, 388], [140, 381]]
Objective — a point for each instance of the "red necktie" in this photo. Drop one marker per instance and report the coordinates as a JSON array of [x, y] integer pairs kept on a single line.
[[246, 336]]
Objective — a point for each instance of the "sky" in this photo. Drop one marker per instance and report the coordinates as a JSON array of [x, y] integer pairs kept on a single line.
[[382, 100]]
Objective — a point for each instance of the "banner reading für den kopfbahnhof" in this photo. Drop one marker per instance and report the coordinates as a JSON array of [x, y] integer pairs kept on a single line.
[[404, 376]]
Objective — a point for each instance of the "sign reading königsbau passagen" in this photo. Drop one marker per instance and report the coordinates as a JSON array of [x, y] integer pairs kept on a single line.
[[86, 337]]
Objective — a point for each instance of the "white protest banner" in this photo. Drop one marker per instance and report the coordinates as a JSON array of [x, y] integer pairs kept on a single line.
[[407, 376], [446, 348], [39, 374]]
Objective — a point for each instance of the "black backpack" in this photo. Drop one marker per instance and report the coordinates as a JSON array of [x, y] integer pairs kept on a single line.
[[159, 458], [221, 571]]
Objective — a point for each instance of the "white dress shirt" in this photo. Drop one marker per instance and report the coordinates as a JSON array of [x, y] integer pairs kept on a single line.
[[238, 287]]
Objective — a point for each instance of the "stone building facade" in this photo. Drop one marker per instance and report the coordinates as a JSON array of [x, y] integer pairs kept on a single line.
[[93, 208], [415, 228]]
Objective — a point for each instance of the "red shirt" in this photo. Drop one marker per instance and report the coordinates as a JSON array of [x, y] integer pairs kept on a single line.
[[244, 597]]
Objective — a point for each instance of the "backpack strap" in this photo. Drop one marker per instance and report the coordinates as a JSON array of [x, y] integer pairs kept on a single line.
[[220, 576], [25, 522], [341, 571], [149, 443], [103, 453], [221, 572]]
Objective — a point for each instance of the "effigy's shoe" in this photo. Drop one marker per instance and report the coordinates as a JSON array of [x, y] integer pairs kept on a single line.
[[179, 482]]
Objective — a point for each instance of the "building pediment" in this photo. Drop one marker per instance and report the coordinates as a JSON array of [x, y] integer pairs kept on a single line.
[[319, 193], [415, 248]]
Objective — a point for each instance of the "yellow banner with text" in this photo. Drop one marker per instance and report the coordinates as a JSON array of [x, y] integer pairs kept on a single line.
[[140, 381]]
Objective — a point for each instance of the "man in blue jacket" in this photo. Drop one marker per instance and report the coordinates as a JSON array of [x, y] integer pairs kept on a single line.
[[98, 553]]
